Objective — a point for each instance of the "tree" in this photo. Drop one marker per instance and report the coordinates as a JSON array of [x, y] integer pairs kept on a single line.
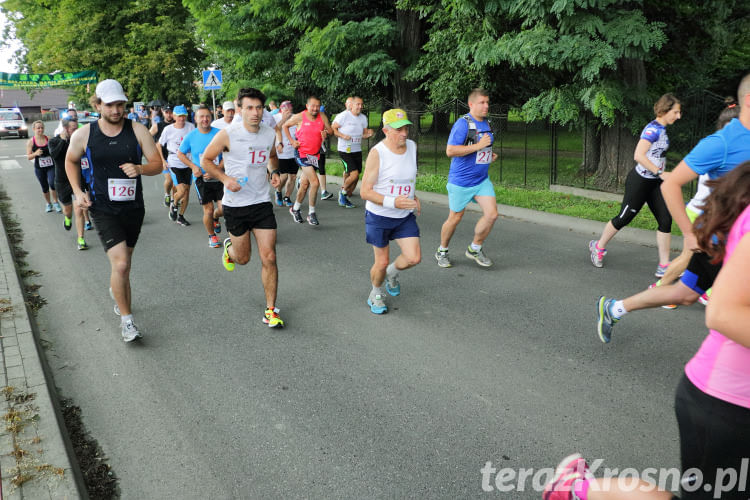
[[147, 45]]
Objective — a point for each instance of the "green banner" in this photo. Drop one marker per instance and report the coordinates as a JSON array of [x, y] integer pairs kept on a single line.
[[38, 81]]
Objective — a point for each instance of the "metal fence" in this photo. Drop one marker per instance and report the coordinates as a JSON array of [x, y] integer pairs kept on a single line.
[[536, 154]]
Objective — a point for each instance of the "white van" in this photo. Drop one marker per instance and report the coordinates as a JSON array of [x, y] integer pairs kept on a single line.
[[12, 123]]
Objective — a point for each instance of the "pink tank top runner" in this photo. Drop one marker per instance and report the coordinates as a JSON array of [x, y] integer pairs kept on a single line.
[[721, 367], [309, 137]]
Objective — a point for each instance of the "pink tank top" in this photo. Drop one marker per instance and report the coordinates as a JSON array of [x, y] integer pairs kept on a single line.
[[309, 137], [721, 367]]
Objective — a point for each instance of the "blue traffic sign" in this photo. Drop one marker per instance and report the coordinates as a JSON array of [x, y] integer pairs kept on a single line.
[[212, 79]]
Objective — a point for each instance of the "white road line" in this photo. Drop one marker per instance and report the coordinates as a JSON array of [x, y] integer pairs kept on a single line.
[[9, 165]]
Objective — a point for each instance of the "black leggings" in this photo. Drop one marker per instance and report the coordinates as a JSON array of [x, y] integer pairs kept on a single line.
[[714, 438], [46, 178], [639, 190]]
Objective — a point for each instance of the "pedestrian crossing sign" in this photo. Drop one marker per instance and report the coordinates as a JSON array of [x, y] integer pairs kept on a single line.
[[212, 79]]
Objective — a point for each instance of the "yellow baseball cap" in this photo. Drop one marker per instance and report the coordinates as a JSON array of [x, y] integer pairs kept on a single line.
[[395, 118]]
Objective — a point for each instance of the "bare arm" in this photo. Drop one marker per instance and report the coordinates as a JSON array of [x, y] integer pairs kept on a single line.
[[452, 150], [728, 311], [150, 151], [326, 124], [291, 122], [76, 151], [335, 127], [154, 129], [640, 156], [218, 144], [187, 161], [273, 169], [30, 155], [671, 190]]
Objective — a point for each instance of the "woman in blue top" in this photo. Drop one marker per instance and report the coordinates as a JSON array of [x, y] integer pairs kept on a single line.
[[643, 185]]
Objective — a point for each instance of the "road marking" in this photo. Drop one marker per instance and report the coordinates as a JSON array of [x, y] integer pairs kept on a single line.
[[3, 157], [20, 156], [9, 164]]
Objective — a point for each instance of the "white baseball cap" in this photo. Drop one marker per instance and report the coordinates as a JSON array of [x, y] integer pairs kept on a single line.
[[110, 91], [227, 106]]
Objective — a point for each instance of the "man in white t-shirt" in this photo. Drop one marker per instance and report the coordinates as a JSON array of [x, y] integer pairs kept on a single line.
[[350, 127], [181, 174], [249, 160], [287, 165], [226, 120], [388, 187]]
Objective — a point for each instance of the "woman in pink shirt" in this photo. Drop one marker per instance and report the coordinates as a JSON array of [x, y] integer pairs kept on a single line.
[[713, 397]]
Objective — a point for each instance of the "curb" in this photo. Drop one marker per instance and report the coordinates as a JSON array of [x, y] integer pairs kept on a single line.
[[46, 459], [585, 226]]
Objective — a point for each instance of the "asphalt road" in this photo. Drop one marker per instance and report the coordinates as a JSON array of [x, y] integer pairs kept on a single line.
[[470, 366]]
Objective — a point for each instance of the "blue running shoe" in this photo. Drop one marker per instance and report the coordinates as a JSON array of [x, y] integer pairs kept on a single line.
[[377, 304], [605, 320], [392, 286]]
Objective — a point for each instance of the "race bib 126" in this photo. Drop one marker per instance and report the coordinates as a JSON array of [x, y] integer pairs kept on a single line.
[[121, 189]]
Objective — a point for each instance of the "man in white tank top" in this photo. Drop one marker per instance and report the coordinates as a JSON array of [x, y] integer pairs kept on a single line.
[[249, 159], [388, 186]]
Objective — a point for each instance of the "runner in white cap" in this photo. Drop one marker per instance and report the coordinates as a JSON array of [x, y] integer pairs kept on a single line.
[[226, 120]]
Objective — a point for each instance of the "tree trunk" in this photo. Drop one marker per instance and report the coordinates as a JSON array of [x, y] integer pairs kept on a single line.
[[410, 40], [440, 122], [617, 142], [592, 146], [615, 158]]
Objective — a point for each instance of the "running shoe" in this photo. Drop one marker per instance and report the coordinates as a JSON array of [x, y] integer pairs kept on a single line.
[[568, 472], [597, 255], [288, 201], [57, 206], [279, 199], [213, 241], [377, 303], [130, 331], [89, 226], [67, 222], [344, 201], [217, 226], [296, 215], [312, 219], [605, 321], [228, 263], [479, 257], [48, 208], [117, 309], [82, 244], [167, 200], [172, 212], [670, 306], [326, 195], [182, 221], [442, 259], [392, 286], [703, 299], [660, 270], [272, 319]]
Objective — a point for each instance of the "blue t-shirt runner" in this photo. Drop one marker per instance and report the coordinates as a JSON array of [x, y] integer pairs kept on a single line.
[[196, 143], [472, 169]]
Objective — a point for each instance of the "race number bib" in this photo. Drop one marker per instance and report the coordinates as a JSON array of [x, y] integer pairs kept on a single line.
[[121, 189], [84, 163], [484, 156], [355, 140], [312, 161], [258, 158], [45, 161], [401, 187]]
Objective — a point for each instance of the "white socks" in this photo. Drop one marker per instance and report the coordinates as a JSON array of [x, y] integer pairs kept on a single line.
[[618, 309]]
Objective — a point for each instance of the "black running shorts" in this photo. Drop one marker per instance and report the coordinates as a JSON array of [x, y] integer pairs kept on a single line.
[[700, 273], [288, 166], [115, 228], [242, 219], [208, 192], [182, 175], [352, 161]]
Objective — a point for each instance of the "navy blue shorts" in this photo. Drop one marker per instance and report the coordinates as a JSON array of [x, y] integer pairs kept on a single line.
[[380, 230]]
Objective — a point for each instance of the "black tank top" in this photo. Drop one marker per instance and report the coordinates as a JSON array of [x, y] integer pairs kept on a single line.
[[105, 155], [45, 154]]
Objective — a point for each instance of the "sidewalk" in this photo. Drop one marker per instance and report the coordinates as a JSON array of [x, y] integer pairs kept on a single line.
[[34, 461]]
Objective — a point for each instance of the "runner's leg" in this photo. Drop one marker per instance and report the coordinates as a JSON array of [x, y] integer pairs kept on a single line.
[[487, 220], [120, 257], [266, 241]]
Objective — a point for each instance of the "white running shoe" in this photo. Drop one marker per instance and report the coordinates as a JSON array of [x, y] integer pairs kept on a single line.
[[130, 331]]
